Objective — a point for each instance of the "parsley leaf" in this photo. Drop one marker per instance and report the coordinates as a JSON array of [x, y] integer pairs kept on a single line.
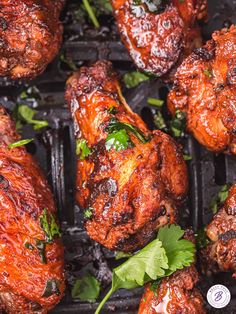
[[158, 259], [220, 198], [132, 79], [82, 149], [118, 140], [86, 289], [49, 225], [20, 143]]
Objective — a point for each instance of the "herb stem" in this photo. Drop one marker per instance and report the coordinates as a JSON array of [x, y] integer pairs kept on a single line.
[[107, 296], [91, 13]]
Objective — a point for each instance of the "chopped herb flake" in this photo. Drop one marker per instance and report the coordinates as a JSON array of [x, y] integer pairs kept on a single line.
[[52, 287], [88, 213], [159, 121], [26, 114], [207, 72], [49, 226], [222, 195], [118, 140], [20, 143], [178, 124], [155, 102], [201, 239], [29, 246], [82, 149], [41, 246], [132, 79]]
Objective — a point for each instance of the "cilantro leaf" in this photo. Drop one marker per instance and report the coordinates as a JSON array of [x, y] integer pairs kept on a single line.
[[180, 252], [134, 78], [82, 149], [27, 114], [86, 289], [220, 198], [158, 259], [20, 143], [118, 140]]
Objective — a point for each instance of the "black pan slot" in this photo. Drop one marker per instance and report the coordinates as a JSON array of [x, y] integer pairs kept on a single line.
[[220, 169]]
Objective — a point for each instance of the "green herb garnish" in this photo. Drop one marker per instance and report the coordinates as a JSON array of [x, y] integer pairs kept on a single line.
[[178, 124], [159, 121], [20, 143], [155, 102], [158, 259], [86, 289], [120, 255], [207, 72], [88, 213], [69, 62], [187, 157], [201, 239], [118, 140], [82, 149], [91, 14], [222, 195], [29, 246], [49, 226], [52, 287], [115, 125], [134, 78], [41, 246], [27, 114]]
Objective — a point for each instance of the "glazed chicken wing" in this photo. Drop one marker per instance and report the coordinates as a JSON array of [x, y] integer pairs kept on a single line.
[[31, 263], [158, 34], [30, 36], [174, 294], [130, 180], [221, 253], [205, 89]]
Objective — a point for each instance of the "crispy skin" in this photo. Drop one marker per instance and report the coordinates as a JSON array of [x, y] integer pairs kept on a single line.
[[175, 294], [205, 88], [24, 194], [221, 253], [133, 191], [156, 41], [30, 36]]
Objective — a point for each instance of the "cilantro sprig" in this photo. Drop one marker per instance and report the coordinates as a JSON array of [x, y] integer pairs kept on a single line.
[[160, 258], [20, 143], [132, 79]]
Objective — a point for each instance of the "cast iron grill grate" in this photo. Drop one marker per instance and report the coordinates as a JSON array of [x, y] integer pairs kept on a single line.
[[54, 149]]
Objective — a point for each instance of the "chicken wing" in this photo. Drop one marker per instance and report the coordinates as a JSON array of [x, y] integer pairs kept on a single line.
[[221, 253], [31, 263], [132, 179], [159, 33], [174, 294], [205, 89], [30, 36]]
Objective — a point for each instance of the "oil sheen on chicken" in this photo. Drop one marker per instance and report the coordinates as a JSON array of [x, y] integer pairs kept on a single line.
[[205, 89], [158, 34], [31, 263], [220, 254], [30, 36], [130, 190]]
